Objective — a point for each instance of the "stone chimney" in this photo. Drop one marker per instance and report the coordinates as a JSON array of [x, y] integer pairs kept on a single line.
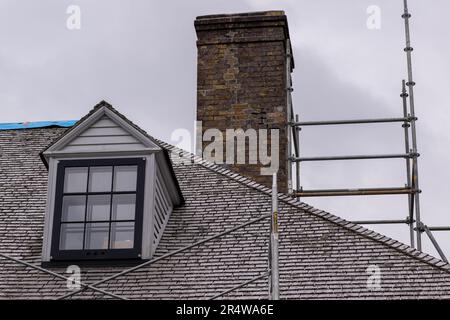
[[242, 83]]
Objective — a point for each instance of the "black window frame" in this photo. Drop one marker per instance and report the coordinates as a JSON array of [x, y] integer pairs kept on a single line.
[[98, 254]]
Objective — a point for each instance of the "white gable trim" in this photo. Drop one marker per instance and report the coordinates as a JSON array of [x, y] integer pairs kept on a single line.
[[57, 147], [147, 245]]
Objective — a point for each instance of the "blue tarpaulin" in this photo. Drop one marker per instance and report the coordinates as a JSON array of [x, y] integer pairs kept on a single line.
[[36, 124]]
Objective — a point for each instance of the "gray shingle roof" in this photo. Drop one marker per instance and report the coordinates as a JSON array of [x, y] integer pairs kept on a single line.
[[321, 255]]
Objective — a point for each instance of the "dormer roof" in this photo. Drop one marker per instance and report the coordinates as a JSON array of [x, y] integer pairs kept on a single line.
[[104, 131]]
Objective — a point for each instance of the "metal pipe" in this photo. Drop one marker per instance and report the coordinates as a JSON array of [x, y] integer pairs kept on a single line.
[[297, 165], [167, 255], [357, 157], [354, 121], [442, 228], [411, 215], [289, 113], [295, 136], [265, 274], [436, 245], [274, 272], [405, 126], [381, 221], [354, 192], [57, 275], [408, 49]]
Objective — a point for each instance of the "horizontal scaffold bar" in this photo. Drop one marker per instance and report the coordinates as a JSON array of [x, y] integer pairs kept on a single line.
[[356, 157], [406, 221], [354, 121], [443, 228], [354, 192]]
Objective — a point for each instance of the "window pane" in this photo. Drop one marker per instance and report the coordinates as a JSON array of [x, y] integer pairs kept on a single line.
[[73, 208], [122, 235], [98, 207], [100, 179], [124, 206], [125, 178], [75, 179], [97, 235], [71, 236]]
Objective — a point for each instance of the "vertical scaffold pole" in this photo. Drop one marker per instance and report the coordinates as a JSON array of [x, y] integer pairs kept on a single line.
[[297, 164], [273, 255], [290, 117], [406, 127], [415, 171]]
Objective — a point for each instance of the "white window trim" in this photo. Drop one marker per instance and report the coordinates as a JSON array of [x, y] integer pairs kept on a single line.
[[148, 210]]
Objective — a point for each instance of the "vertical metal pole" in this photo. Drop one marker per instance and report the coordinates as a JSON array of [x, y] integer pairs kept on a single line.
[[269, 269], [289, 114], [415, 174], [406, 126], [274, 274], [297, 164]]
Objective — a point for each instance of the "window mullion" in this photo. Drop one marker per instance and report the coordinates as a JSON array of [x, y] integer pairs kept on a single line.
[[110, 206], [86, 208], [97, 221]]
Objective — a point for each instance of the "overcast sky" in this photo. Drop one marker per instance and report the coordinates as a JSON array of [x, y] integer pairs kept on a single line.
[[141, 57]]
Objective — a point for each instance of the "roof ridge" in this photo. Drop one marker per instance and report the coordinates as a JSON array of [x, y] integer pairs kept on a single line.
[[356, 228]]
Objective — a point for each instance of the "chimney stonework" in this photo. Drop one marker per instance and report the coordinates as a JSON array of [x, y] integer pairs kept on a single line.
[[241, 80]]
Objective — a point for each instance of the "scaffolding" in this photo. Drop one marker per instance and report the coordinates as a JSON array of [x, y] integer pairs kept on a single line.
[[94, 286], [411, 155]]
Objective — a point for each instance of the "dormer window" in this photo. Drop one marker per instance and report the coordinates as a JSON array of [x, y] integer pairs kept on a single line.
[[98, 209], [111, 190]]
